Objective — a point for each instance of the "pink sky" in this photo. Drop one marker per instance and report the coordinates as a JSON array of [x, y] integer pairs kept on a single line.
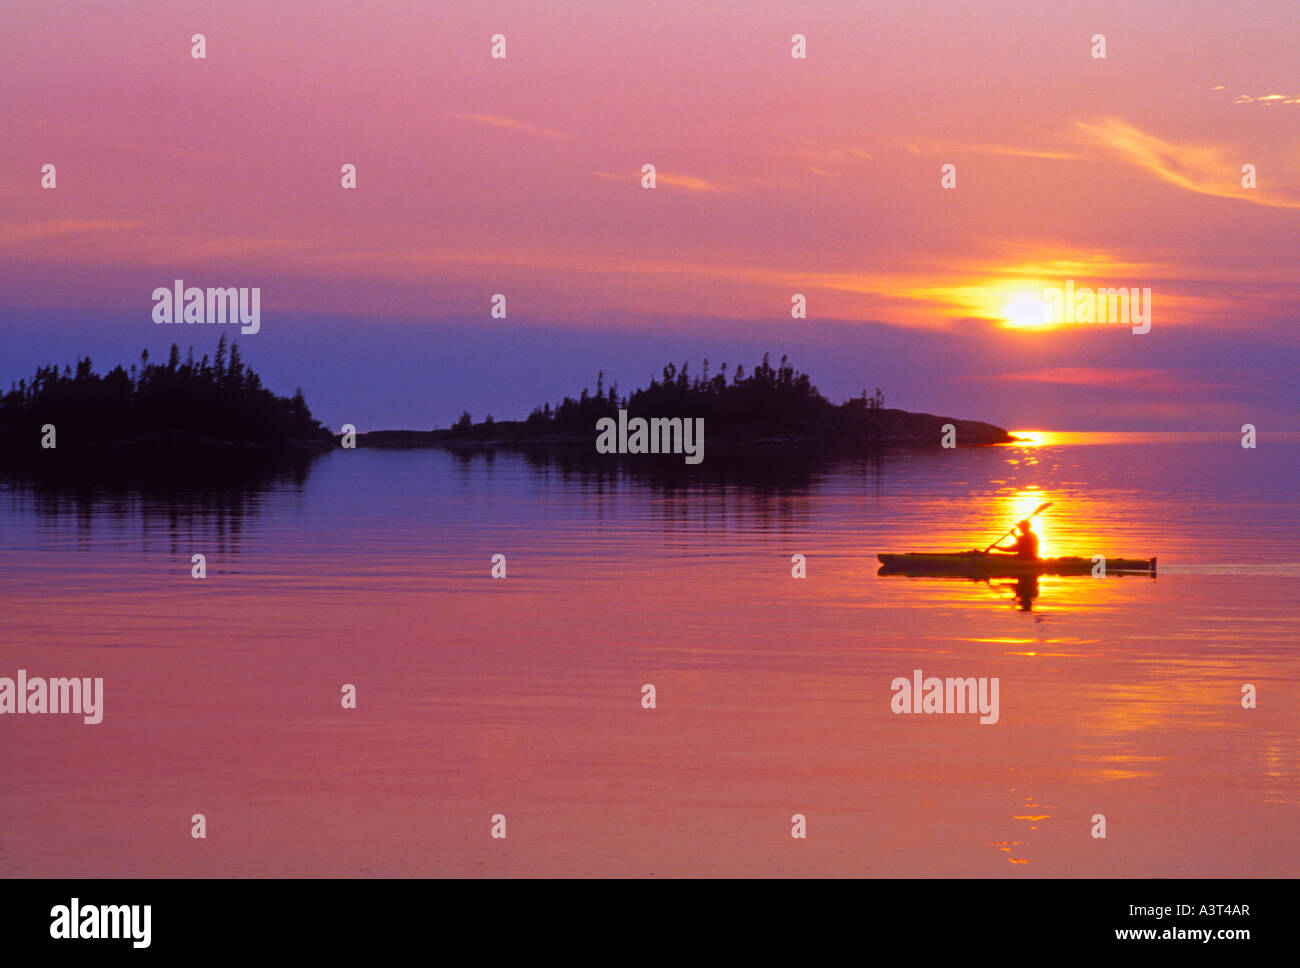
[[776, 175]]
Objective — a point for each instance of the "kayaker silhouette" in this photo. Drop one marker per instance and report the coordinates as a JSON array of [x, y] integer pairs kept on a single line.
[[1026, 545]]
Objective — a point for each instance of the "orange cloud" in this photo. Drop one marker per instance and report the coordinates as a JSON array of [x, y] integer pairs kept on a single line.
[[1267, 99], [1012, 151], [689, 182], [509, 123], [1206, 169], [67, 230], [1149, 380]]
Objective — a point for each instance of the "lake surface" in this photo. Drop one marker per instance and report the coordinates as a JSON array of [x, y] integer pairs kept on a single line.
[[1119, 696]]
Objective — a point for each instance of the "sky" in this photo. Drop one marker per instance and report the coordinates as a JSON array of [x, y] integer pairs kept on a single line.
[[775, 175]]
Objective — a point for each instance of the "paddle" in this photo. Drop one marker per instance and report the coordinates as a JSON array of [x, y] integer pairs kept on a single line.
[[1042, 507]]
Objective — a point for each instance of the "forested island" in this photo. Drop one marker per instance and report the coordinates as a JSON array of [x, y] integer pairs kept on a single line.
[[768, 408], [180, 406], [194, 409]]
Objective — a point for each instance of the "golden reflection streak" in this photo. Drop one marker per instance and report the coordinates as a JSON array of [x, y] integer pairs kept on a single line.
[[1048, 438]]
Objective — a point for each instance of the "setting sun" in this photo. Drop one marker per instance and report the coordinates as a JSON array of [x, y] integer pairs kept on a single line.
[[1025, 311], [1014, 303]]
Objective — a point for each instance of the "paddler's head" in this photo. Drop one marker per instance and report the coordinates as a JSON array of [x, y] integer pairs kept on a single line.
[[1024, 526]]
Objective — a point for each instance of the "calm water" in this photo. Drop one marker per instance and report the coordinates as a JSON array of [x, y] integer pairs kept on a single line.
[[1118, 696]]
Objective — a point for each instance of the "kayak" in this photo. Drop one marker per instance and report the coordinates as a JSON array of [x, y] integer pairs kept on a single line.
[[978, 564]]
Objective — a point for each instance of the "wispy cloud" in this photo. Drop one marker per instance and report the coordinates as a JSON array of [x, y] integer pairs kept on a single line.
[[1150, 380], [124, 243], [62, 230], [689, 182], [822, 156], [1267, 99], [1013, 151], [1207, 169], [512, 124]]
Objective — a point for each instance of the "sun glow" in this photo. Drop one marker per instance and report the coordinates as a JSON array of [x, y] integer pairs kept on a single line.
[[1013, 304], [1025, 311]]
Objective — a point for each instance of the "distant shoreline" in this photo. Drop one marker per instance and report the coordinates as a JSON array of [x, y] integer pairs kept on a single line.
[[201, 409], [875, 429]]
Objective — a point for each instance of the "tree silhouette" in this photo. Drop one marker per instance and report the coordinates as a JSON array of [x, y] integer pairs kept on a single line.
[[225, 403], [781, 397]]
